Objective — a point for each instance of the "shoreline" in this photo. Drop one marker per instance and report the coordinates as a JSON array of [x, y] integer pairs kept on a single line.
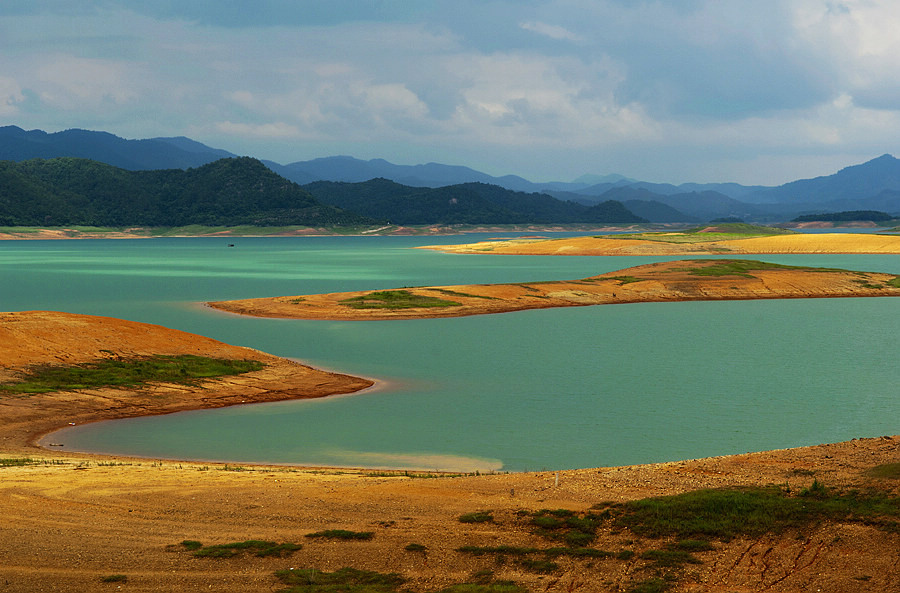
[[77, 518], [672, 281]]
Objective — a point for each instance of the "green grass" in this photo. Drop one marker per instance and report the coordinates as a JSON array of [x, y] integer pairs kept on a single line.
[[396, 299], [352, 580], [449, 292], [751, 512], [669, 558], [890, 471], [718, 232], [342, 534], [114, 578], [259, 548], [737, 267], [477, 517], [416, 548], [185, 369], [344, 580], [575, 530], [504, 550], [895, 282]]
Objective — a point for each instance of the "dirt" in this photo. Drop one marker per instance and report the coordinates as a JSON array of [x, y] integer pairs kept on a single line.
[[67, 521], [669, 281], [605, 245]]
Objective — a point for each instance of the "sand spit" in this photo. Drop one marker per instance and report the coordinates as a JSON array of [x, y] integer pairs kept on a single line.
[[44, 337], [605, 245], [669, 281]]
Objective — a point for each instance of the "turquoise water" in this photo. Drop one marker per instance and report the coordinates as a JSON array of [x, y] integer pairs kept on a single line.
[[575, 387]]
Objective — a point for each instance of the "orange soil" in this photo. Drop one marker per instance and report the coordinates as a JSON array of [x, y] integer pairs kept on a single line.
[[669, 281], [604, 245], [69, 520], [43, 337]]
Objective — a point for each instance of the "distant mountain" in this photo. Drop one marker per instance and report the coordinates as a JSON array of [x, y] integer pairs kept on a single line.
[[17, 145], [874, 185], [851, 183], [467, 203], [227, 192], [349, 169]]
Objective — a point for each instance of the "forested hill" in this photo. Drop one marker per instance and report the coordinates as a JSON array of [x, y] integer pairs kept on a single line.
[[466, 203], [227, 192]]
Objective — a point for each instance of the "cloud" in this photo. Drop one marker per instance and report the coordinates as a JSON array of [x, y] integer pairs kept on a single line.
[[544, 88], [271, 130], [551, 31], [10, 96]]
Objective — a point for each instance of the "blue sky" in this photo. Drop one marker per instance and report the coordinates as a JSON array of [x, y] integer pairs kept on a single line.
[[758, 92]]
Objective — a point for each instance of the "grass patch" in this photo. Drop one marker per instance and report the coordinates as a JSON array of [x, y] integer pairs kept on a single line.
[[350, 580], [504, 550], [654, 585], [711, 232], [477, 517], [416, 548], [735, 267], [342, 534], [114, 578], [396, 299], [449, 292], [259, 548], [575, 530], [894, 282], [626, 279], [729, 513], [538, 566], [669, 558], [186, 369], [890, 471]]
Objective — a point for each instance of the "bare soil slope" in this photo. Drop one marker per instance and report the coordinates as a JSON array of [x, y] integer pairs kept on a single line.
[[46, 337], [669, 281]]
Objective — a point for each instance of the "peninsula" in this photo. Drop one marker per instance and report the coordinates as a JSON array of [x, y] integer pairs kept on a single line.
[[687, 280], [824, 517], [719, 239]]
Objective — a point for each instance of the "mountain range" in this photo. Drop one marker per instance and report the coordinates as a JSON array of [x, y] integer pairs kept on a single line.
[[873, 185]]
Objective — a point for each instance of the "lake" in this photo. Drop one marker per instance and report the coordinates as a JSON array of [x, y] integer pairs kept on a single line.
[[550, 389]]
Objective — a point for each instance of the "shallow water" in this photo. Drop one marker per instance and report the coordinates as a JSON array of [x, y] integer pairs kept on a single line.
[[575, 387]]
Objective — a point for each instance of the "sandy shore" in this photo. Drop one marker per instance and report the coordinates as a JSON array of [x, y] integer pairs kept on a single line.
[[45, 337], [69, 521], [669, 281], [606, 245]]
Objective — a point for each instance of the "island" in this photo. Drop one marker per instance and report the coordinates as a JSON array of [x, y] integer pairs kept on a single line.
[[715, 239], [680, 280]]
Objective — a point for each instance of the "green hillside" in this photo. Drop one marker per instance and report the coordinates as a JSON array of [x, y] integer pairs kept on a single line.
[[233, 191]]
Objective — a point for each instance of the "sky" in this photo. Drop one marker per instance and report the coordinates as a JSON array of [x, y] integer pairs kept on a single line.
[[760, 92]]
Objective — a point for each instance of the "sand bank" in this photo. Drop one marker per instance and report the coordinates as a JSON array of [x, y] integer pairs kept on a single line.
[[44, 337], [669, 281], [608, 245]]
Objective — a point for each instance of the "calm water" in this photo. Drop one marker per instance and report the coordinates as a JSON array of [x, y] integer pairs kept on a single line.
[[576, 387]]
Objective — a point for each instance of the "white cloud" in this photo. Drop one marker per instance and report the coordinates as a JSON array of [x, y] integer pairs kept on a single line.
[[278, 130], [551, 31], [10, 96]]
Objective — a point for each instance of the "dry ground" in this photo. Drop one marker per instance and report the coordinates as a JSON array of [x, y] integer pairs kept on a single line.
[[605, 245], [67, 521], [668, 281]]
